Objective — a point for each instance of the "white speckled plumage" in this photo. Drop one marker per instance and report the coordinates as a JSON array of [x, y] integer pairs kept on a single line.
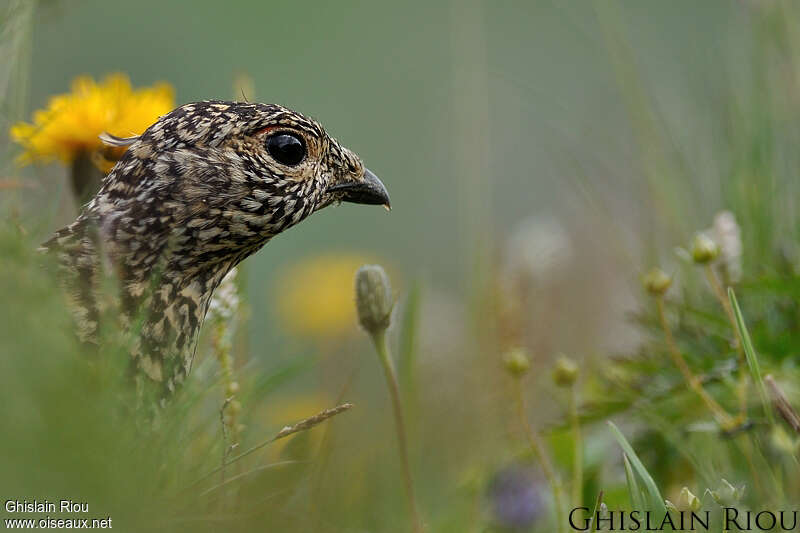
[[193, 196]]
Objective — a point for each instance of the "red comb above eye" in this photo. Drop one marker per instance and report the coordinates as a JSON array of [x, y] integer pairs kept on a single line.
[[267, 129]]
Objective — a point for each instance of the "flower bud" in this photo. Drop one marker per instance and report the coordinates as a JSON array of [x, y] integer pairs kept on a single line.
[[232, 388], [517, 362], [688, 501], [727, 494], [604, 512], [704, 249], [373, 298], [565, 372], [657, 281]]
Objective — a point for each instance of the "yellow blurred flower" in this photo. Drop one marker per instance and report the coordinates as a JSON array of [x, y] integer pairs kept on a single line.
[[315, 296], [71, 123]]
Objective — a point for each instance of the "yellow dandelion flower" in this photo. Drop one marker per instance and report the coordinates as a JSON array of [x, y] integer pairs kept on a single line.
[[315, 296], [70, 125]]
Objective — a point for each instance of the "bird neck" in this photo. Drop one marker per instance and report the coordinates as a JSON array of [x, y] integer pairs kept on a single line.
[[171, 313], [166, 266]]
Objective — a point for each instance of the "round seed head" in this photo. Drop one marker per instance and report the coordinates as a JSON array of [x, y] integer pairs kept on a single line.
[[565, 372], [517, 362], [235, 407], [374, 300], [232, 388], [657, 281], [704, 249]]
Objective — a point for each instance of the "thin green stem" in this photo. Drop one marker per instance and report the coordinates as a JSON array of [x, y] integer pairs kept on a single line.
[[391, 380], [577, 465], [720, 414], [228, 416], [719, 292], [541, 455], [716, 286], [747, 450]]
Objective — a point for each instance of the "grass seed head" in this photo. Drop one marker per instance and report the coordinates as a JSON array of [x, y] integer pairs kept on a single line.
[[565, 372], [374, 300], [656, 282], [517, 362], [704, 249]]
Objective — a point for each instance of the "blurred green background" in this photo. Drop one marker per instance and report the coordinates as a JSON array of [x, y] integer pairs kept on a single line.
[[476, 115], [573, 144]]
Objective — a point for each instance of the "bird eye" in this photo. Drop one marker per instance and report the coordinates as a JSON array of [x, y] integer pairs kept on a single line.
[[286, 148]]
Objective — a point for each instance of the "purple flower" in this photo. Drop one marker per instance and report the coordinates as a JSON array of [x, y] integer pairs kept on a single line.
[[515, 497]]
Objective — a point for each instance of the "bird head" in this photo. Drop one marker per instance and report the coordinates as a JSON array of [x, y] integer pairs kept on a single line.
[[226, 176], [201, 189]]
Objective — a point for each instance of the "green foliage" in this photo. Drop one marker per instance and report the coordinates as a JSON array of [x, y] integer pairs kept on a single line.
[[752, 360], [650, 492], [72, 428]]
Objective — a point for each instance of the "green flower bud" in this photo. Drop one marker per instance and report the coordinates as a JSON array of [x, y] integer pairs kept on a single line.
[[688, 501], [604, 512], [704, 249], [517, 362], [232, 388], [565, 372], [727, 494], [374, 300], [656, 281]]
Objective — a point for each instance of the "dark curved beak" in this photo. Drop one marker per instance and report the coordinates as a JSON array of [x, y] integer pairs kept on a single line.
[[369, 190]]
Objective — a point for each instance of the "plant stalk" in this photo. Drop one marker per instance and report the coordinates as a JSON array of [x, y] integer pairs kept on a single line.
[[541, 455], [719, 292], [694, 383], [228, 417], [85, 179], [391, 380], [577, 465]]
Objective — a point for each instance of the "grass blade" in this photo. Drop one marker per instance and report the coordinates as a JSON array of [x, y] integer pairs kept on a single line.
[[597, 505], [409, 337], [750, 354], [634, 491], [656, 501]]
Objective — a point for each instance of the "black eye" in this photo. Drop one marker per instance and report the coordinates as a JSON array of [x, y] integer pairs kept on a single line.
[[286, 147]]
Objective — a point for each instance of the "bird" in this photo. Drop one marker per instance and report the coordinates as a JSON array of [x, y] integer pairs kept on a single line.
[[204, 187]]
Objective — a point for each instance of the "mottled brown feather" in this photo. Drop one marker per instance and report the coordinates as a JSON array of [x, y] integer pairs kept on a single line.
[[191, 197]]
